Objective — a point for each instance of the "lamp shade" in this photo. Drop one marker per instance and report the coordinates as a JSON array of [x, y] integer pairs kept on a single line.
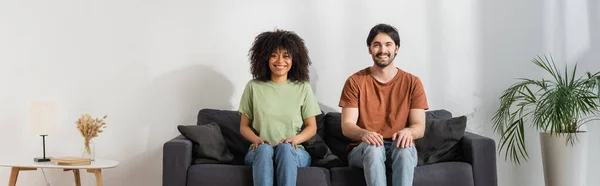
[[42, 117]]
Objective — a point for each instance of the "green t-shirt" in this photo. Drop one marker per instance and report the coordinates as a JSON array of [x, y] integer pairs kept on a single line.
[[277, 110]]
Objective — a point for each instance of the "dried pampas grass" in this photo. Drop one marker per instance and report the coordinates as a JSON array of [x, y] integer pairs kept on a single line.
[[90, 128]]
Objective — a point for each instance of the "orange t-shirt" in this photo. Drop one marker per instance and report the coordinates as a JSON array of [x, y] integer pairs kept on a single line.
[[383, 107]]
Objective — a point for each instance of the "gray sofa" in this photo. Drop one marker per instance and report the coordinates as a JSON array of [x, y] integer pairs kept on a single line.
[[472, 164]]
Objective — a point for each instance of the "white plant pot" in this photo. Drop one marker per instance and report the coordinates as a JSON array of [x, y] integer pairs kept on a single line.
[[564, 164]]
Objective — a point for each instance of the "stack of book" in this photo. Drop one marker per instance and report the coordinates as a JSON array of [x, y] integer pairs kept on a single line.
[[71, 161]]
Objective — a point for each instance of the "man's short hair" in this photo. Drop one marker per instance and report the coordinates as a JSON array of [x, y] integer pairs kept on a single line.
[[383, 28]]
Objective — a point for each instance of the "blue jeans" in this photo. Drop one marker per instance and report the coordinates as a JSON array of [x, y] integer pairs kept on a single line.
[[287, 159], [374, 160]]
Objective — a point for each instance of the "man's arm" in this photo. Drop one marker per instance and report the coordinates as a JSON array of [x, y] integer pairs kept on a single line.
[[352, 131], [415, 129], [416, 122]]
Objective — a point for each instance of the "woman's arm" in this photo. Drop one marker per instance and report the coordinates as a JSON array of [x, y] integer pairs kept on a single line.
[[247, 132], [309, 131]]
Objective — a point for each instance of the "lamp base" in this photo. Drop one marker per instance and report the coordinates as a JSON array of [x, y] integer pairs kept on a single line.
[[40, 159]]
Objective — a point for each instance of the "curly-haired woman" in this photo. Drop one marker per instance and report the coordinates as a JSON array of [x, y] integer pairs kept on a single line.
[[275, 105]]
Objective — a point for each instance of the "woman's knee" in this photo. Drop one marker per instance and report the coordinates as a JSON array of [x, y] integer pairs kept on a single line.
[[284, 148], [264, 149]]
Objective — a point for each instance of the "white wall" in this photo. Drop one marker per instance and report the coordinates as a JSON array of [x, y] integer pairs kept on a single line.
[[151, 65]]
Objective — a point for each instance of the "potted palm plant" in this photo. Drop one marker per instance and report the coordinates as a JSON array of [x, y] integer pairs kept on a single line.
[[557, 107]]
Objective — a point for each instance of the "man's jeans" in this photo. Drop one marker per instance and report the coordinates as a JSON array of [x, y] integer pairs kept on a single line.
[[374, 160], [287, 159]]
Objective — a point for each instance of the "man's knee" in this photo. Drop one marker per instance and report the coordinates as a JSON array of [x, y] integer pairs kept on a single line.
[[373, 153], [404, 155]]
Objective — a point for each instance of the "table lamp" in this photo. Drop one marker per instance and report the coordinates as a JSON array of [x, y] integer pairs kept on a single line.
[[42, 119]]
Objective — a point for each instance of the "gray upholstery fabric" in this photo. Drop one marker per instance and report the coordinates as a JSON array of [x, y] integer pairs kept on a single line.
[[447, 174], [438, 114], [209, 145], [217, 174], [313, 176], [439, 144], [177, 157], [480, 152]]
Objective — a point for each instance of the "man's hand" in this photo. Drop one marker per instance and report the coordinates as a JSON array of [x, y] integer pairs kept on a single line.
[[372, 138], [258, 142], [293, 141], [405, 138]]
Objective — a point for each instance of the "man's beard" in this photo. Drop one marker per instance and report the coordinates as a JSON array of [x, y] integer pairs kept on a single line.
[[383, 64]]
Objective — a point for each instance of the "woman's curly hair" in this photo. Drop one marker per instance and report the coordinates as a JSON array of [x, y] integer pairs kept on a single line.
[[267, 42]]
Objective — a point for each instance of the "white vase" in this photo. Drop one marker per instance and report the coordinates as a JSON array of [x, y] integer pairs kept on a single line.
[[564, 164]]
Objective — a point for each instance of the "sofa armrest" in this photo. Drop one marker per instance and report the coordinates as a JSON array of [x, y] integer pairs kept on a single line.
[[480, 152], [177, 158]]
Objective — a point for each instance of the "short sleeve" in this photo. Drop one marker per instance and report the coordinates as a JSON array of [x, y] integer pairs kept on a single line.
[[310, 106], [418, 98], [349, 96], [246, 101]]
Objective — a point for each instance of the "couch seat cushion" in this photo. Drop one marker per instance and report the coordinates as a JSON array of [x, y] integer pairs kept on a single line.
[[447, 173], [240, 175]]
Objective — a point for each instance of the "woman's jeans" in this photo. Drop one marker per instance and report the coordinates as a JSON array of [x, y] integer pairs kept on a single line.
[[286, 158]]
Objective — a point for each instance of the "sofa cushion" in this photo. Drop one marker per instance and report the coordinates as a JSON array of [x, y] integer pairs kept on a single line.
[[335, 139], [208, 143], [333, 125], [447, 173], [321, 125], [439, 144], [315, 146], [219, 174], [438, 114], [229, 121], [320, 153]]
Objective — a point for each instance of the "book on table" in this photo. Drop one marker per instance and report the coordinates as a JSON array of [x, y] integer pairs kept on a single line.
[[71, 161]]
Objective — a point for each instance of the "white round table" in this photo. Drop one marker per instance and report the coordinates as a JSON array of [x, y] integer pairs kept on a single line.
[[23, 165]]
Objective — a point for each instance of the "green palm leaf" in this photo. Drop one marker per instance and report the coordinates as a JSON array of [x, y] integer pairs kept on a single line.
[[559, 106]]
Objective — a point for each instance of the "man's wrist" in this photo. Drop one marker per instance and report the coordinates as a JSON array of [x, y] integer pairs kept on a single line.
[[364, 132], [412, 132]]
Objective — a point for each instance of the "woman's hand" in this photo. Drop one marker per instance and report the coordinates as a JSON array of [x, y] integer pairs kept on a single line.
[[258, 142], [293, 141]]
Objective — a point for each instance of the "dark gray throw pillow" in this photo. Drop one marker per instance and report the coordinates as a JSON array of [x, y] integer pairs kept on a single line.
[[320, 153], [229, 121], [316, 147], [209, 146], [439, 144]]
